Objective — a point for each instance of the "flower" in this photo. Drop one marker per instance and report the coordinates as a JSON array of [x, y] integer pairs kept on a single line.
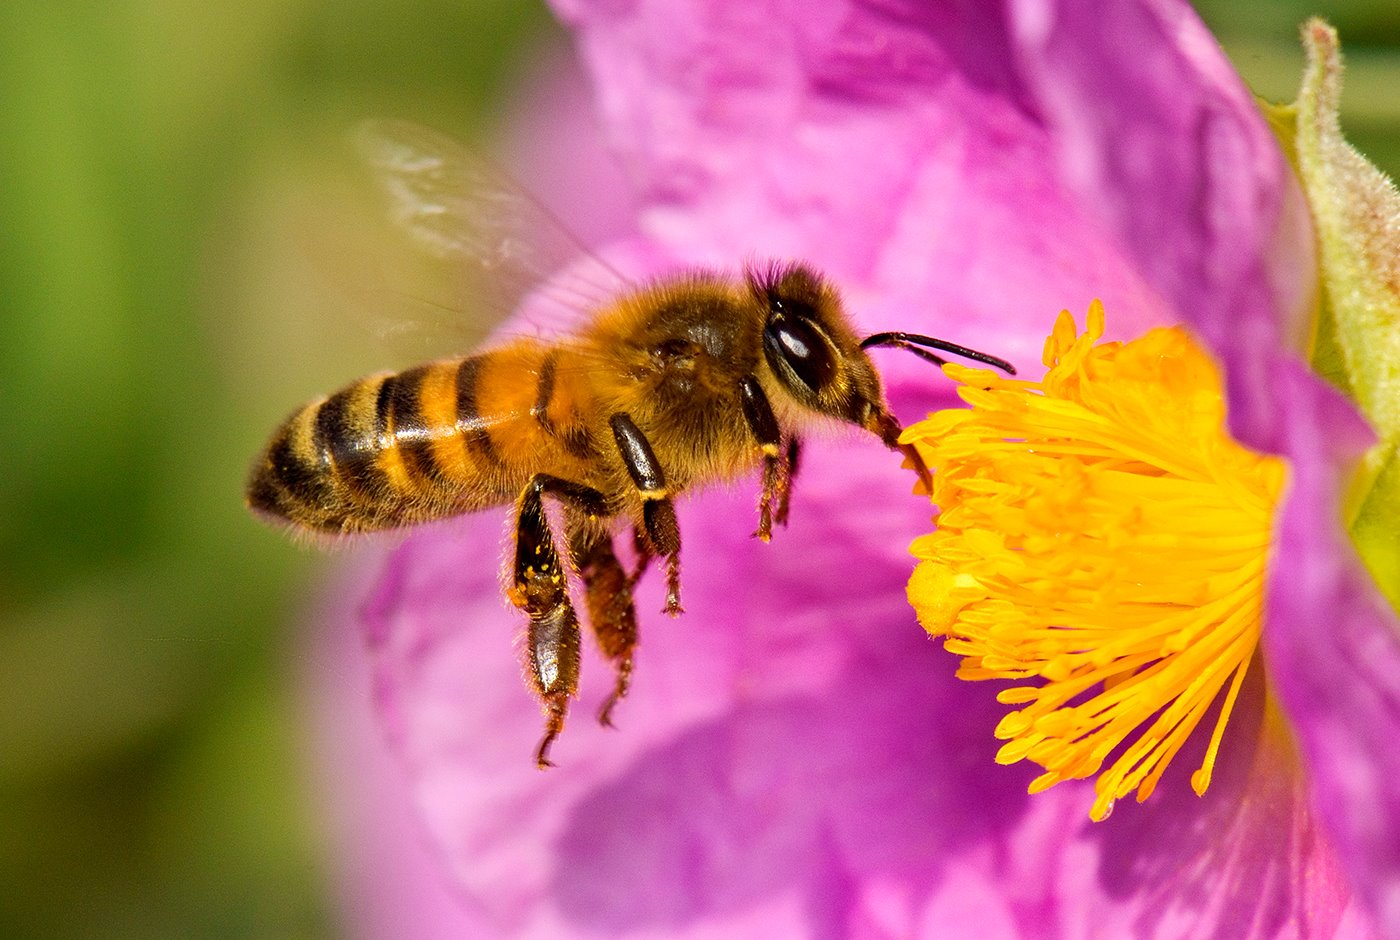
[[795, 758], [1099, 529]]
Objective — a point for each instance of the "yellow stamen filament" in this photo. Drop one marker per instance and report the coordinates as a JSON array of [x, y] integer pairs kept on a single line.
[[1101, 535]]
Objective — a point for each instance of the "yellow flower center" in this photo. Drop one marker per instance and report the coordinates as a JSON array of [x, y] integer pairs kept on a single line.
[[1100, 534]]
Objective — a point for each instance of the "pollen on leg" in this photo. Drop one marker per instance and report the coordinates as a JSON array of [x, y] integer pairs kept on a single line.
[[1102, 541]]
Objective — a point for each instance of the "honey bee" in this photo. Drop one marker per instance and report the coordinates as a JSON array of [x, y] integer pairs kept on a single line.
[[692, 379]]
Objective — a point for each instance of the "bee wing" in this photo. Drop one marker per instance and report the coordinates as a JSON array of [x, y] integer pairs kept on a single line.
[[460, 206]]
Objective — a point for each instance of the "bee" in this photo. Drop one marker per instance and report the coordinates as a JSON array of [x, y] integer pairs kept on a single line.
[[691, 379]]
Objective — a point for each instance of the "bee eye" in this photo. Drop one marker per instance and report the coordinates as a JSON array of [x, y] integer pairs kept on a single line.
[[798, 345]]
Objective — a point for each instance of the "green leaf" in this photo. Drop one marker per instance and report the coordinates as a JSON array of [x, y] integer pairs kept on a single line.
[[1356, 214], [1373, 529], [1356, 211]]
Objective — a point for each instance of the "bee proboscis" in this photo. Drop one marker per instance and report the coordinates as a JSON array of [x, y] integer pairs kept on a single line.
[[691, 379]]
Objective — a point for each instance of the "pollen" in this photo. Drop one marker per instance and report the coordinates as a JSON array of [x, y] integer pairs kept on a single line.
[[1102, 542]]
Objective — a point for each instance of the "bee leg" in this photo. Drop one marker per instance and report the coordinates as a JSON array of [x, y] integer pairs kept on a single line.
[[664, 533], [611, 612], [658, 514], [642, 545], [540, 588], [772, 481], [759, 415], [785, 478]]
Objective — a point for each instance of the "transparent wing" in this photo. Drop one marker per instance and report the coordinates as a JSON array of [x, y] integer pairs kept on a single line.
[[463, 208]]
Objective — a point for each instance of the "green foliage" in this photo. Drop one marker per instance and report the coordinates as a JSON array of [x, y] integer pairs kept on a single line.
[[151, 781]]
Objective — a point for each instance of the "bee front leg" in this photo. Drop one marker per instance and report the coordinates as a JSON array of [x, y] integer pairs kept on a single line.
[[658, 513], [785, 478], [540, 588], [778, 468], [611, 612]]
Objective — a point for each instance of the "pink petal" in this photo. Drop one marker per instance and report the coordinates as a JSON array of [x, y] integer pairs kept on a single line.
[[1168, 143], [1333, 648], [886, 143], [782, 739], [1247, 860], [390, 877], [783, 769], [1158, 134], [795, 757]]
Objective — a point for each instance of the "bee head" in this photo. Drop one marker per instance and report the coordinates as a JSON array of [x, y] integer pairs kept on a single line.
[[818, 359], [813, 352]]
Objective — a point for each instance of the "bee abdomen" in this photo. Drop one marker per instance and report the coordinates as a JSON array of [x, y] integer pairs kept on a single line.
[[365, 458], [398, 449], [320, 470]]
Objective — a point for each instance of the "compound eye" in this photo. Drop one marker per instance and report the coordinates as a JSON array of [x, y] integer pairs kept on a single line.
[[801, 347]]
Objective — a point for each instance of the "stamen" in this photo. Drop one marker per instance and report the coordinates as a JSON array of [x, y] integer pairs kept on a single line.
[[1104, 542]]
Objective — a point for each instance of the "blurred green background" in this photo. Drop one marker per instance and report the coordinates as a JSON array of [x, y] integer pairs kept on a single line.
[[153, 780]]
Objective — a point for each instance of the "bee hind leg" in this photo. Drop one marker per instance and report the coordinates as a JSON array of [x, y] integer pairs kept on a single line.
[[540, 588], [611, 611]]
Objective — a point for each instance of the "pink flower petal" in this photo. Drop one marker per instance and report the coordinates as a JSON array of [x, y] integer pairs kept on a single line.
[[1333, 648], [1247, 860], [782, 762], [1158, 134], [795, 758], [781, 738], [1171, 147], [886, 143], [390, 875]]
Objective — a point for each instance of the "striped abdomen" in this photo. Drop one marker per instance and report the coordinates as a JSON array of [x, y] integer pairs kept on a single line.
[[399, 449]]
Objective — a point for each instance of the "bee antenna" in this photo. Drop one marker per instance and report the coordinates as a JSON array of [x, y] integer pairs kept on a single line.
[[913, 341]]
